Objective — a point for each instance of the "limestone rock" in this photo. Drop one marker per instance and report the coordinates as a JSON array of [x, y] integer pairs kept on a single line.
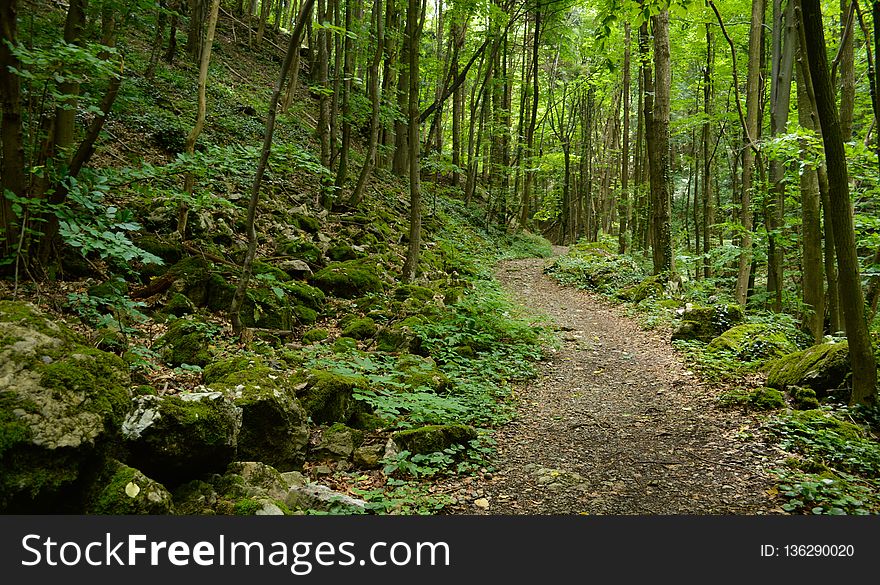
[[431, 438], [123, 490]]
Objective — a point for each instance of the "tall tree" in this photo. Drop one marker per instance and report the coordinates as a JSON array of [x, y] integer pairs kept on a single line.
[[658, 146], [413, 33], [861, 354], [248, 264], [12, 167]]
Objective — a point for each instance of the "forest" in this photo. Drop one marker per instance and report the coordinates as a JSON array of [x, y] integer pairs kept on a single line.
[[439, 257]]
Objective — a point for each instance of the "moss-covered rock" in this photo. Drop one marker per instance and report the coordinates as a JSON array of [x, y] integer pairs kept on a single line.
[[123, 490], [339, 442], [315, 335], [304, 294], [307, 223], [364, 328], [274, 272], [186, 342], [305, 315], [707, 323], [753, 341], [247, 488], [328, 397], [368, 456], [348, 279], [179, 305], [803, 398], [218, 370], [413, 291], [342, 252], [653, 287], [180, 437], [61, 401], [431, 438], [821, 367], [196, 498], [300, 249], [416, 372], [400, 337], [273, 424], [764, 398], [824, 420]]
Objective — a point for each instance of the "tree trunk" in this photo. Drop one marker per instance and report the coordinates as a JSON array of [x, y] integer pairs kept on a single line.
[[625, 203], [247, 266], [189, 180], [195, 38], [161, 22], [861, 354], [12, 165], [348, 72], [753, 105], [370, 161], [708, 154], [323, 58], [415, 196], [659, 146]]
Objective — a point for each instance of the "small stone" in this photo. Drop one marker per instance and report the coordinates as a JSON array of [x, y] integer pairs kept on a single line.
[[322, 470], [482, 503]]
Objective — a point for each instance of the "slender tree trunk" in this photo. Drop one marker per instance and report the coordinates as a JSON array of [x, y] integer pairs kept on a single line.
[[348, 72], [861, 354], [529, 175], [847, 69], [811, 230], [195, 36], [247, 267], [189, 180], [625, 205], [415, 195], [161, 22], [265, 6], [323, 58], [708, 154], [369, 162], [748, 154], [171, 50], [784, 40]]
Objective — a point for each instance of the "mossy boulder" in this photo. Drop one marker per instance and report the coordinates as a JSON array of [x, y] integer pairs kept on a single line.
[[315, 335], [754, 341], [364, 328], [432, 438], [218, 370], [305, 295], [300, 249], [61, 402], [416, 372], [179, 305], [247, 488], [822, 367], [181, 437], [762, 398], [368, 456], [339, 442], [186, 342], [305, 315], [342, 252], [707, 323], [803, 398], [653, 287], [273, 424], [413, 291], [329, 397], [400, 337], [824, 420], [307, 223], [344, 345], [122, 490], [348, 280]]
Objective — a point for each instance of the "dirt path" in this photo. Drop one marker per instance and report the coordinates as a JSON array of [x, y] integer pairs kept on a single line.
[[614, 424]]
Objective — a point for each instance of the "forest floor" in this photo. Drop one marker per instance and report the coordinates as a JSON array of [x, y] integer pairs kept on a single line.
[[615, 423]]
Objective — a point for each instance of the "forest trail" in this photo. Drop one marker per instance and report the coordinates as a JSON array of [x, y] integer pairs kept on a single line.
[[615, 423]]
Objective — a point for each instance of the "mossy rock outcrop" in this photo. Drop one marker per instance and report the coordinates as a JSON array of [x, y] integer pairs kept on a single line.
[[246, 488], [754, 341], [348, 280], [707, 323], [61, 402], [329, 397], [416, 372], [315, 335], [122, 490], [305, 295], [339, 442], [653, 287], [274, 429], [186, 342], [413, 291], [432, 438], [300, 250], [401, 337], [180, 437], [822, 367], [363, 328]]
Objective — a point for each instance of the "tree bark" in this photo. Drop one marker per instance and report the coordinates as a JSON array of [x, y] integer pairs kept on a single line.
[[415, 195], [12, 165], [658, 146], [861, 355]]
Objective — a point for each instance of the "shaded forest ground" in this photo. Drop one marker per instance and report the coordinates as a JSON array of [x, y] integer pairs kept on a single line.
[[617, 424]]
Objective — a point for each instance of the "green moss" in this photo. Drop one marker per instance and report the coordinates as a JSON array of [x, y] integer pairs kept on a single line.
[[366, 421], [328, 396], [304, 294], [432, 438], [821, 367], [360, 329], [145, 390], [820, 419], [101, 377], [766, 398], [169, 252], [261, 267], [707, 323], [12, 429], [218, 370], [753, 341], [29, 316], [301, 250], [314, 335], [348, 280], [186, 342], [179, 305], [263, 308], [414, 291], [342, 252], [247, 507], [419, 372], [306, 223], [112, 495], [652, 287], [305, 315], [803, 398]]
